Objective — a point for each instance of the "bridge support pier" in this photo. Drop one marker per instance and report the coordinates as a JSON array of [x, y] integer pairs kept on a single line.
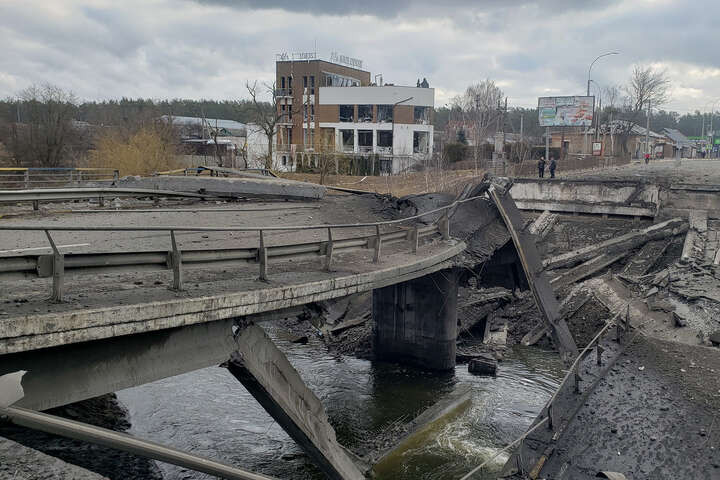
[[416, 321]]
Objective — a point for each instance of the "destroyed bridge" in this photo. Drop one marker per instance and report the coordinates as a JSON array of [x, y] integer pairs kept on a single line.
[[86, 341]]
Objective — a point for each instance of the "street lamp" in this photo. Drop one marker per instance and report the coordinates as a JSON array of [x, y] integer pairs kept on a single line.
[[593, 63], [588, 85]]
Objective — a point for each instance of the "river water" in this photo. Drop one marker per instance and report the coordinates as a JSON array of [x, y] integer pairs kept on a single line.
[[209, 413]]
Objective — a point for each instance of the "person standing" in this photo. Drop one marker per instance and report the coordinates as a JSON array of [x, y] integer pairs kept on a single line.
[[541, 167], [553, 166]]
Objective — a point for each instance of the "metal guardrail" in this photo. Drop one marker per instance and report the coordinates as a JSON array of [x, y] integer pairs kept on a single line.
[[55, 264], [51, 194], [24, 178]]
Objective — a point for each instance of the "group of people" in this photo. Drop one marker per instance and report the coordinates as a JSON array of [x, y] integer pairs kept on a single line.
[[541, 167]]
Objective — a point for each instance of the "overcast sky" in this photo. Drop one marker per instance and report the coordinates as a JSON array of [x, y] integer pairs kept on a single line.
[[103, 49]]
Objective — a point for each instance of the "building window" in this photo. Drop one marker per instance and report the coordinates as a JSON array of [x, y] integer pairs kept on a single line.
[[420, 142], [312, 84], [364, 113], [284, 160], [347, 139], [365, 141], [309, 137], [305, 113], [289, 135], [347, 113], [422, 115], [282, 83], [304, 81], [335, 80], [384, 113], [384, 141], [289, 85]]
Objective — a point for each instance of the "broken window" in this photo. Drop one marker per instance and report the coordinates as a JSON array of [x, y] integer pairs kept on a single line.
[[347, 113], [364, 113], [335, 80], [420, 142], [365, 141], [422, 115], [347, 138], [384, 113], [384, 141]]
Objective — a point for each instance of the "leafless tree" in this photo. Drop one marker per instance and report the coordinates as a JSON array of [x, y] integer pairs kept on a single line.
[[612, 96], [44, 134], [646, 85], [479, 111], [267, 115]]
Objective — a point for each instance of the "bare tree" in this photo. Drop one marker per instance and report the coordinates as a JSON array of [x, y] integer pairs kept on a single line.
[[479, 111], [646, 85], [44, 134], [612, 95], [267, 115]]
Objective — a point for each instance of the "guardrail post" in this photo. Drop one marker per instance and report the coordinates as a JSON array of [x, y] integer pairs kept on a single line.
[[101, 201], [329, 251], [413, 237], [27, 179], [378, 244], [116, 175], [176, 260], [58, 270], [36, 204], [444, 226], [262, 257]]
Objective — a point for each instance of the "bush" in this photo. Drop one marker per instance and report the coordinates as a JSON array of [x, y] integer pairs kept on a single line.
[[455, 152], [141, 153]]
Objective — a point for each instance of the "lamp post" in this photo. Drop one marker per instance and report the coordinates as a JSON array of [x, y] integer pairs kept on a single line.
[[588, 83], [392, 146], [712, 132]]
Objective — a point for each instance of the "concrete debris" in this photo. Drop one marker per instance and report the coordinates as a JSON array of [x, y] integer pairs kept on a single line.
[[625, 242], [543, 225], [694, 246], [587, 269], [645, 258], [483, 365]]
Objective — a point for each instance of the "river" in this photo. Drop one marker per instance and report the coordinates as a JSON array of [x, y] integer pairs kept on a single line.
[[209, 413]]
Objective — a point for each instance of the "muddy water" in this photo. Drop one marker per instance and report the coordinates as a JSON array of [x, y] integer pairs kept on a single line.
[[209, 413]]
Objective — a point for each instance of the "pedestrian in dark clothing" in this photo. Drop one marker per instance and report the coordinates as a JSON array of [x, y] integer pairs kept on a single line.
[[553, 166], [541, 167]]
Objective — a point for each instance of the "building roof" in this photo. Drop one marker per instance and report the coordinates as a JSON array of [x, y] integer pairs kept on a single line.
[[635, 129], [677, 136], [230, 125]]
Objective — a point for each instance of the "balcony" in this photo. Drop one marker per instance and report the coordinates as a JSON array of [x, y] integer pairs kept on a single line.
[[285, 119], [283, 92]]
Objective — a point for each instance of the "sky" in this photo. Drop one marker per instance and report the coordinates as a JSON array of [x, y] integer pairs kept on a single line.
[[103, 49]]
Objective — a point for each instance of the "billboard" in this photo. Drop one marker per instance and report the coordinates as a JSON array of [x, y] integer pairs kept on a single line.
[[565, 111]]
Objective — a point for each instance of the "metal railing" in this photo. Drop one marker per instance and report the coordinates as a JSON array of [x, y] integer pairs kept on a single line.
[[53, 194], [24, 178], [56, 263]]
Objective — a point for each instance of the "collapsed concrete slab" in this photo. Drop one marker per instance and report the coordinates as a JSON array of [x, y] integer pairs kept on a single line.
[[626, 242], [268, 375], [587, 196], [260, 187], [532, 266]]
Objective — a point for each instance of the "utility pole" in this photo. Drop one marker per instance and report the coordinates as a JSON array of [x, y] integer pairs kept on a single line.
[[647, 130]]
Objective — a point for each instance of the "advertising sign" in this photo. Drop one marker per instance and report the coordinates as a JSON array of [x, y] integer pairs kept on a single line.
[[597, 149], [565, 111]]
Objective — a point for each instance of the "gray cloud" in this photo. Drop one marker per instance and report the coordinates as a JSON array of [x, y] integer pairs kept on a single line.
[[208, 48]]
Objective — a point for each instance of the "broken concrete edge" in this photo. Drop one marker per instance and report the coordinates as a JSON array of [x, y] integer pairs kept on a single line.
[[426, 425], [561, 425], [588, 268], [630, 240], [42, 331], [268, 375], [11, 390], [534, 273]]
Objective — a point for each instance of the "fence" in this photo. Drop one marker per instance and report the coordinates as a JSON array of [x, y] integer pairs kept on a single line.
[[570, 163], [23, 178]]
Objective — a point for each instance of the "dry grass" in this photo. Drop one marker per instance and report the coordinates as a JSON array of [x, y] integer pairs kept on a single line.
[[451, 181]]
